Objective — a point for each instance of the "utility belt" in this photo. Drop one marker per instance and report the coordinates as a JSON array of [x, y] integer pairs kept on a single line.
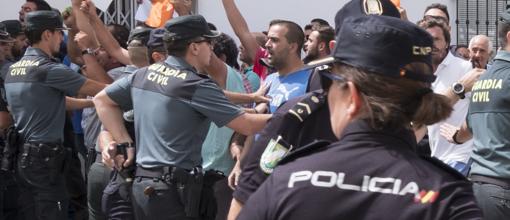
[[11, 149], [51, 157], [505, 183], [194, 187]]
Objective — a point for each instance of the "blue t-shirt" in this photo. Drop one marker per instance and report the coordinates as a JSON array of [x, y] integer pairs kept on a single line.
[[286, 87]]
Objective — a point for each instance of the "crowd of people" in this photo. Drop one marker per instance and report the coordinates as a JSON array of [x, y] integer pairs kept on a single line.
[[382, 118]]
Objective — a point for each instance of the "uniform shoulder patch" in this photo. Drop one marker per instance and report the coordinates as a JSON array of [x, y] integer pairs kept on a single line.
[[443, 166], [307, 105]]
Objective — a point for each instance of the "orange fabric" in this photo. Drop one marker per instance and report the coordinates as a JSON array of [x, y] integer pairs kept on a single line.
[[161, 11], [396, 3]]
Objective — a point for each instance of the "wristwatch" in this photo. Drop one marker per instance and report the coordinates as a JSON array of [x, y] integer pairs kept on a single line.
[[458, 89], [89, 51]]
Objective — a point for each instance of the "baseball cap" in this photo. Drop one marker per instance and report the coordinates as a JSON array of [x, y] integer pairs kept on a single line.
[[365, 7], [13, 27], [42, 20], [156, 38], [140, 33], [188, 27], [384, 45]]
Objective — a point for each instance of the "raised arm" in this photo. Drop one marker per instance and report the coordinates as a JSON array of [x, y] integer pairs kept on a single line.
[[105, 38], [241, 28]]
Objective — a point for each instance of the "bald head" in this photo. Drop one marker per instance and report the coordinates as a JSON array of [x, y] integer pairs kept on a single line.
[[480, 50]]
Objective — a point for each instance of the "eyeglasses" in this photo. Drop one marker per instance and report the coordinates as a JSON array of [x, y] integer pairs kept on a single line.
[[334, 77], [207, 40]]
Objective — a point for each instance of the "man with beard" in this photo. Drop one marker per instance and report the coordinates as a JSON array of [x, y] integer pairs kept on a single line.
[[317, 45], [32, 5], [455, 79], [20, 44]]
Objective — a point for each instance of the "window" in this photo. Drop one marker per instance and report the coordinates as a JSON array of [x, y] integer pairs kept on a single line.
[[478, 17]]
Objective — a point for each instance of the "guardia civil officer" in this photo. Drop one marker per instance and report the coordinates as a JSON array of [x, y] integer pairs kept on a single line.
[[173, 106], [381, 82], [294, 124], [36, 89]]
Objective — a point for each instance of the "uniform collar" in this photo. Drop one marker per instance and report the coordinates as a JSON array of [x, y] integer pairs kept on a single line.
[[179, 63], [32, 51], [503, 55], [361, 130]]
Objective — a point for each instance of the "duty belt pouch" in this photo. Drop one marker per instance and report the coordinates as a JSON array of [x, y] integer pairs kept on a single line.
[[55, 158], [91, 158], [11, 149]]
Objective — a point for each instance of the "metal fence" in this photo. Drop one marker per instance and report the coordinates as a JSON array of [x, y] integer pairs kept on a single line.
[[121, 12], [478, 17]]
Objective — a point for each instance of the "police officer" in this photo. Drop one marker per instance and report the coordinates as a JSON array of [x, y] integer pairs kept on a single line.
[[381, 79], [295, 123], [487, 123], [35, 88], [173, 106]]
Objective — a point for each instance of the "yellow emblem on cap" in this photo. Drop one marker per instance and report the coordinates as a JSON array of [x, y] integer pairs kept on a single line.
[[373, 7]]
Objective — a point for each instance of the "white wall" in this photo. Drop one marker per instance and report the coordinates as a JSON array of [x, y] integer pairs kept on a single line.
[[258, 13], [9, 8]]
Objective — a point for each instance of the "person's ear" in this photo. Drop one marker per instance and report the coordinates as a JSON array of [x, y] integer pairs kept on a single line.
[[355, 101], [332, 45], [322, 46], [193, 47]]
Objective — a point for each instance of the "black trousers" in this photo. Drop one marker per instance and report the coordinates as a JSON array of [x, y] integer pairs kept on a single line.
[[117, 198], [163, 203], [42, 177]]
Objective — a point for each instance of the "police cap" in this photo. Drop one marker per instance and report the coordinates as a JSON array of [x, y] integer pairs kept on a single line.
[[365, 7], [156, 38], [140, 33], [4, 35], [188, 27], [384, 45], [13, 27], [43, 20], [505, 16]]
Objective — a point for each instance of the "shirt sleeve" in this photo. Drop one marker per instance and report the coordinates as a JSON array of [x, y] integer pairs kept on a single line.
[[120, 92], [210, 100], [64, 79]]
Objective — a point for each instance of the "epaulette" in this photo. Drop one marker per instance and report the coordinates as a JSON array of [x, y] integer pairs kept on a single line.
[[306, 150], [307, 105], [443, 166]]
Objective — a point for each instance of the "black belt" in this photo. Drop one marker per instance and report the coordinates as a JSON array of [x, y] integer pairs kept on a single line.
[[505, 183], [43, 149], [167, 174]]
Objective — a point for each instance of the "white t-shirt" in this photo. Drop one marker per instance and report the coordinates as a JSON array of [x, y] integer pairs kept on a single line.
[[448, 72]]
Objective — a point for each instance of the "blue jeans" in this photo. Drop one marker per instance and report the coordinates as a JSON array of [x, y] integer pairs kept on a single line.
[[493, 200]]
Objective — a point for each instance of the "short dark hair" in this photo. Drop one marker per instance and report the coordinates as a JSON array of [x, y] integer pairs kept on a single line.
[[326, 34], [294, 33], [225, 45], [308, 27], [41, 5], [441, 7], [35, 36], [178, 48], [432, 22], [503, 29], [120, 33], [321, 21]]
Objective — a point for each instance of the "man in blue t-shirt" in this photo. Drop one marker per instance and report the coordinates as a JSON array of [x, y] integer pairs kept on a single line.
[[285, 41]]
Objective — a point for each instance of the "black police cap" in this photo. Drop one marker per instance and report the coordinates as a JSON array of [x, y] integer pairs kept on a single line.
[[384, 45], [4, 35], [156, 38], [188, 27], [14, 27], [140, 33], [365, 7], [43, 20]]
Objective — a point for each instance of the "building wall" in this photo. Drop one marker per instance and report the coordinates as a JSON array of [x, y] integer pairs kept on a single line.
[[259, 13]]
